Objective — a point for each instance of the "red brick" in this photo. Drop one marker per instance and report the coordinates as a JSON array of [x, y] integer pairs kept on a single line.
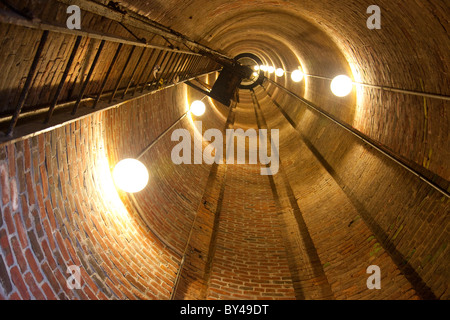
[[127, 293], [50, 213], [41, 148], [19, 283], [87, 279], [62, 279], [18, 255], [25, 212], [27, 154], [61, 246], [5, 280], [4, 184], [44, 180], [15, 296], [89, 293], [71, 251], [9, 220], [40, 201], [102, 296], [4, 243], [12, 160], [250, 251], [48, 254], [14, 195], [35, 165], [49, 294], [30, 192], [33, 287], [50, 277], [33, 266], [113, 287], [49, 232]]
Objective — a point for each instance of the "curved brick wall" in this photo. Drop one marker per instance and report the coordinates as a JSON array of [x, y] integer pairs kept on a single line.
[[330, 38], [226, 232], [60, 208]]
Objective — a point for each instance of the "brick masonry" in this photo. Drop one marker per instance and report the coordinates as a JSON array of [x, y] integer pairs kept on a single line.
[[58, 210], [336, 207]]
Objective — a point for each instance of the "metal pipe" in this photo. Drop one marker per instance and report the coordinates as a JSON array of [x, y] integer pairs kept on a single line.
[[205, 92], [64, 119], [390, 89], [26, 88], [361, 137]]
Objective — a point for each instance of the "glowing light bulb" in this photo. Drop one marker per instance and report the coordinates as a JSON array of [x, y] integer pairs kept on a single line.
[[256, 68], [197, 108], [297, 76], [341, 86], [279, 72], [263, 68], [130, 175], [270, 69], [255, 74]]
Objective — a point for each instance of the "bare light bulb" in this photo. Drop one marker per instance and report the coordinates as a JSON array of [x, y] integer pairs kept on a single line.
[[270, 69], [297, 76], [279, 72], [130, 175], [263, 68], [341, 86], [198, 108]]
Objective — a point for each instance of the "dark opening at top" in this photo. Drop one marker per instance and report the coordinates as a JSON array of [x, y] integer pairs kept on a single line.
[[252, 61]]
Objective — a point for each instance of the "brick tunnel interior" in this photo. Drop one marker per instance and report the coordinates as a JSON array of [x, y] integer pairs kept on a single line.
[[363, 180]]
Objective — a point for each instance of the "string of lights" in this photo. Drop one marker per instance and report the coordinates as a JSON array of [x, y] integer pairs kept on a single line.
[[341, 85]]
